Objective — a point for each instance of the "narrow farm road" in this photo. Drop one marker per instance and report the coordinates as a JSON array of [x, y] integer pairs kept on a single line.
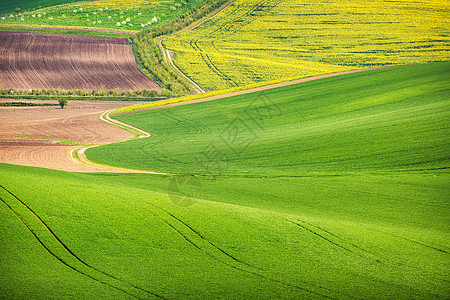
[[257, 89], [168, 54]]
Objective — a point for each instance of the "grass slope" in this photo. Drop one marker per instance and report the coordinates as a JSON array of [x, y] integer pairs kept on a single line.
[[122, 226], [300, 224], [24, 5], [382, 120], [122, 15]]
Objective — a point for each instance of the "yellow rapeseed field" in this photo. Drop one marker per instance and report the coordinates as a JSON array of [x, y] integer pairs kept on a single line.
[[261, 40]]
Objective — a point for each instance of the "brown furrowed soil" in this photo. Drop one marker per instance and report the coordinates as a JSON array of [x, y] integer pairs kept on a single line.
[[31, 136], [40, 60]]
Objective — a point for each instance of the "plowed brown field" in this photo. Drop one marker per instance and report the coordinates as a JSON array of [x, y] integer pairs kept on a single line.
[[39, 60], [29, 135]]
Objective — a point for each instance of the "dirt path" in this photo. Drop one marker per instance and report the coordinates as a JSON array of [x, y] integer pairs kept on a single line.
[[168, 54], [262, 88]]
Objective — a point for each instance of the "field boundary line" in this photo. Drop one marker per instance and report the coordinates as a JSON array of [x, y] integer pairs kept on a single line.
[[79, 156], [67, 29], [247, 91], [139, 133], [168, 59]]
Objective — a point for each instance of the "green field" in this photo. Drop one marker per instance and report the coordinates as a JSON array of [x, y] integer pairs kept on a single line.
[[378, 120], [118, 14], [71, 32], [7, 7], [335, 188]]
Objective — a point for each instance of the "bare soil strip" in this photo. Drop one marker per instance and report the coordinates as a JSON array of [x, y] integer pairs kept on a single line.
[[79, 123], [38, 61]]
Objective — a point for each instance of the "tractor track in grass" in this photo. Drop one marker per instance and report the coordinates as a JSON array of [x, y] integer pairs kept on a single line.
[[70, 260], [322, 236], [378, 259], [414, 242], [231, 261]]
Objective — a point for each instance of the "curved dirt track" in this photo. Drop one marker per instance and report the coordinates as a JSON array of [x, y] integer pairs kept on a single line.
[[68, 62], [31, 136]]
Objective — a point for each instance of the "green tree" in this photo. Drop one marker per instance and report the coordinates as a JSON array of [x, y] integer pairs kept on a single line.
[[62, 102]]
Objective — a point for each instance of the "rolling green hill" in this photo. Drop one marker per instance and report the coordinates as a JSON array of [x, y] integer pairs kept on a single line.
[[7, 7], [335, 188], [391, 119]]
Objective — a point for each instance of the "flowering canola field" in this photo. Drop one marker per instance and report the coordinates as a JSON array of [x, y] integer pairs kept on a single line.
[[261, 40], [130, 15]]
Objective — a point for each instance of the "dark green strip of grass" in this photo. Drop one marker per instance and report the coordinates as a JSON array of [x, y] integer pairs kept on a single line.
[[71, 32], [26, 104], [24, 5]]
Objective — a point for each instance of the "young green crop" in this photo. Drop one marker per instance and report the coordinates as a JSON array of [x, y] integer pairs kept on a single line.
[[370, 121], [256, 41], [364, 236], [120, 15], [342, 194], [8, 7]]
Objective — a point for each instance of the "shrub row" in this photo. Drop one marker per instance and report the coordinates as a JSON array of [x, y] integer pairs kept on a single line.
[[84, 92]]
